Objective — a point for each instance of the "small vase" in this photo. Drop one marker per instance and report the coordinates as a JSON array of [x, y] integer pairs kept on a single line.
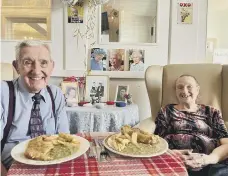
[[129, 101]]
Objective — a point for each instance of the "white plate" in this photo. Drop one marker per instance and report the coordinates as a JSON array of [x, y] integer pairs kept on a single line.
[[18, 153], [163, 145]]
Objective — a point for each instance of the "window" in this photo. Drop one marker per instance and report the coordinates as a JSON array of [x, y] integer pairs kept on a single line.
[[26, 19]]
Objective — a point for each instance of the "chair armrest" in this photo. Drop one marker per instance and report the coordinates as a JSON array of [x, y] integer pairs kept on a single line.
[[147, 125], [226, 124]]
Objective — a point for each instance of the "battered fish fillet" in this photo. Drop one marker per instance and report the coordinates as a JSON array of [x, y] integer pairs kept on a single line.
[[47, 148], [142, 136]]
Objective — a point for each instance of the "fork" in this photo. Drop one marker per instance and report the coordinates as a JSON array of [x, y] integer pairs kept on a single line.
[[104, 155], [92, 152]]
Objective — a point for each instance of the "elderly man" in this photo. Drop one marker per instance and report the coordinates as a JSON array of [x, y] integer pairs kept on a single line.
[[34, 107]]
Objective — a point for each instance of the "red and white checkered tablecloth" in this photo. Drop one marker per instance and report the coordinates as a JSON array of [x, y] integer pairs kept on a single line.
[[167, 164]]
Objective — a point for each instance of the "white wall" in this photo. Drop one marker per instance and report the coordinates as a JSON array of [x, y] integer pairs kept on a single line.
[[186, 44], [217, 24], [188, 41]]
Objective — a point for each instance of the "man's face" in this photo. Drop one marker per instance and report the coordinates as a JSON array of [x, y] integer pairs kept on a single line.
[[35, 67], [74, 12]]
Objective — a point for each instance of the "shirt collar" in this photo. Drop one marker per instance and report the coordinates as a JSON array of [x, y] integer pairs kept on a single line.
[[26, 95]]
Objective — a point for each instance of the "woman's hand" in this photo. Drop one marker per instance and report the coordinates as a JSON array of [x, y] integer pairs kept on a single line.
[[196, 161]]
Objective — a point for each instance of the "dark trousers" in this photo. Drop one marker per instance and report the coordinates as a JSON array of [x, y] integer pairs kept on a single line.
[[211, 170]]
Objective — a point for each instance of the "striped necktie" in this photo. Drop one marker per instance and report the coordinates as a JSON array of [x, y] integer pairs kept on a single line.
[[35, 123]]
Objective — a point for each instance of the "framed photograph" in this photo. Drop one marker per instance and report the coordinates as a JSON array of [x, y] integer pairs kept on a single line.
[[121, 90], [98, 59], [71, 92], [116, 59], [136, 59], [97, 89]]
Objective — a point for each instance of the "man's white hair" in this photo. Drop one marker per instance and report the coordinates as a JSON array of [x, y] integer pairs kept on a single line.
[[28, 43]]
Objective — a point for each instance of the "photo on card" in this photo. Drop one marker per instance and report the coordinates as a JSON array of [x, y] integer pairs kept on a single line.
[[116, 59], [71, 92], [97, 88], [136, 59], [98, 59]]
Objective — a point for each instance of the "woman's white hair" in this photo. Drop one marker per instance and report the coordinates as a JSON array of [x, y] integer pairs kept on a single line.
[[28, 43], [137, 53]]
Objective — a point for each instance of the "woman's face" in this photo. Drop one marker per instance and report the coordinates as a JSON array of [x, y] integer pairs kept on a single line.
[[187, 90], [136, 58], [122, 92], [114, 61], [99, 57], [72, 93]]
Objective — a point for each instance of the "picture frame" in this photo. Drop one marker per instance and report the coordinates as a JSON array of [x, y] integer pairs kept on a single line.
[[97, 88], [121, 90], [136, 59], [71, 93], [98, 59]]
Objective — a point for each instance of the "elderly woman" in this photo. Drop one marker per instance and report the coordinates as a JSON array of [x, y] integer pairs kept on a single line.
[[116, 62], [195, 131], [97, 59], [137, 58], [71, 95]]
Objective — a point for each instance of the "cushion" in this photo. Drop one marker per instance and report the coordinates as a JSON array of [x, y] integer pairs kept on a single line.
[[7, 71]]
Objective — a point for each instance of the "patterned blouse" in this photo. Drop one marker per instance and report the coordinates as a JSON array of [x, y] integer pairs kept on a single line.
[[199, 130]]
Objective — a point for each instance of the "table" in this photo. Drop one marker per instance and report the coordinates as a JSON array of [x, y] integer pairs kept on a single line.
[[167, 164], [108, 119]]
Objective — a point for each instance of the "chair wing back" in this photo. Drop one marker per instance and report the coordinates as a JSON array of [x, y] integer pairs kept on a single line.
[[225, 93], [160, 83], [8, 72], [153, 79]]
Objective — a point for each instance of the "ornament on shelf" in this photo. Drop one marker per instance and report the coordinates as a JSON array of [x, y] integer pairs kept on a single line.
[[129, 98], [73, 2], [70, 2], [99, 2]]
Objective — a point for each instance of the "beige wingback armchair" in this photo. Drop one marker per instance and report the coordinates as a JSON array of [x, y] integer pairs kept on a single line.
[[160, 83], [8, 72]]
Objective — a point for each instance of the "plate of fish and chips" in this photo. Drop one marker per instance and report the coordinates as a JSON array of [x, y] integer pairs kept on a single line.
[[134, 142], [50, 149]]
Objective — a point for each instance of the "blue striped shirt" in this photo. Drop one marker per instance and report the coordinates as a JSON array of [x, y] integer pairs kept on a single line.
[[23, 106]]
